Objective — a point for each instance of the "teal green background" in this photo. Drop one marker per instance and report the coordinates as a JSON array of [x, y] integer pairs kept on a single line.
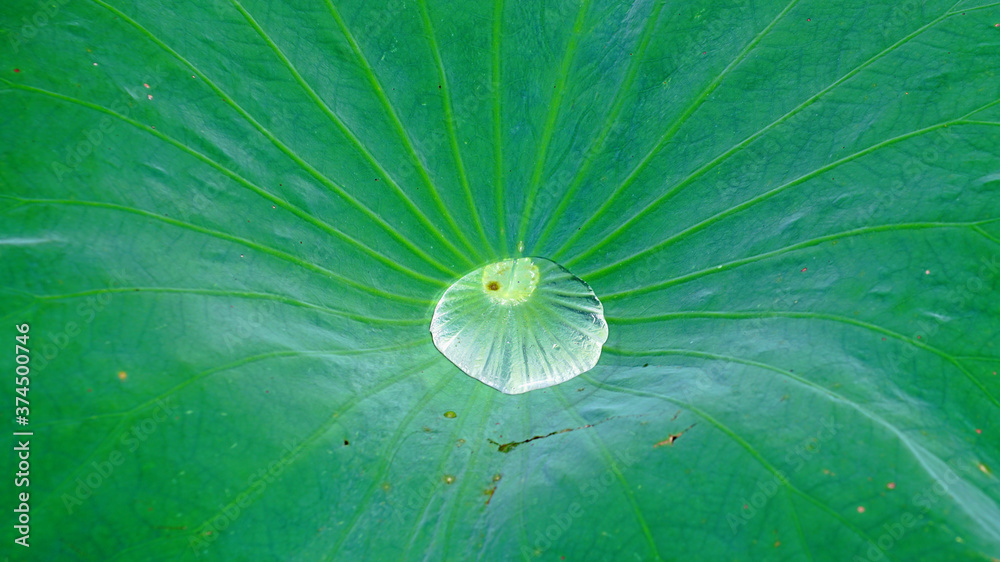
[[227, 225]]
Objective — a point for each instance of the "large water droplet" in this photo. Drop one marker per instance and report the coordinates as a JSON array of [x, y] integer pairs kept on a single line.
[[520, 324]]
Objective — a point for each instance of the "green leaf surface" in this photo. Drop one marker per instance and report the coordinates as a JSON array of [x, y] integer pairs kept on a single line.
[[227, 225]]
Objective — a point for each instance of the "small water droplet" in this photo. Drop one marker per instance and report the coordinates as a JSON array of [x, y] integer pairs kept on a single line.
[[449, 479]]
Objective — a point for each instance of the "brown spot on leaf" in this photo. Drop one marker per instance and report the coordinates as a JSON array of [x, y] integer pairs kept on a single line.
[[673, 437], [508, 447]]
